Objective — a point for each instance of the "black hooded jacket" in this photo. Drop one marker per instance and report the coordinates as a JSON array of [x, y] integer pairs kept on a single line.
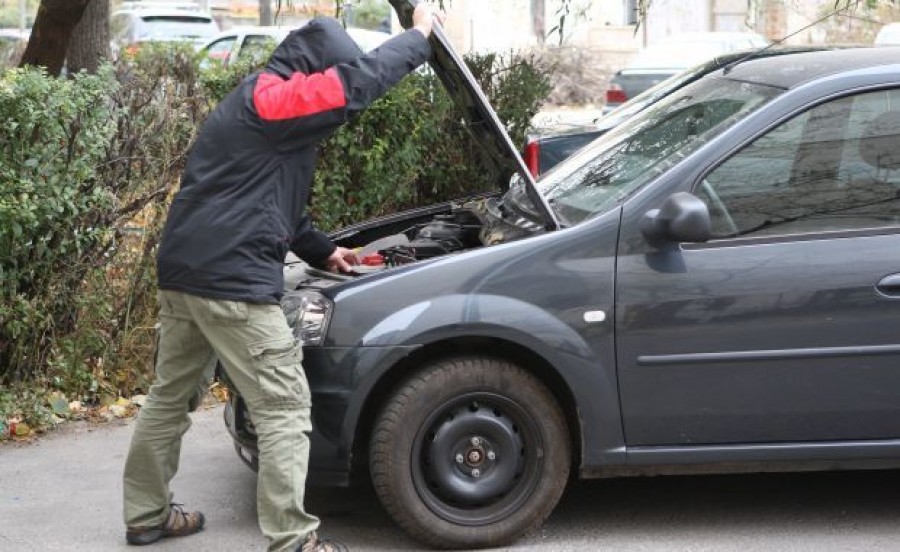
[[244, 190]]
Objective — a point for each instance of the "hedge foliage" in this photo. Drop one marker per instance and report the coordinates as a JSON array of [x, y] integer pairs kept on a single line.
[[88, 164]]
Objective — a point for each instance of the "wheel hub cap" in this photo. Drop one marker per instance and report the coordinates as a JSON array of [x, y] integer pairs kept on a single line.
[[474, 456]]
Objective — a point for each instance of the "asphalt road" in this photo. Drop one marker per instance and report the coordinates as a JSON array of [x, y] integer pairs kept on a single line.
[[64, 493]]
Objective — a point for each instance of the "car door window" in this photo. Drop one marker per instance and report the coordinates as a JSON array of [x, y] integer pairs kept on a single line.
[[256, 48], [220, 50], [835, 167]]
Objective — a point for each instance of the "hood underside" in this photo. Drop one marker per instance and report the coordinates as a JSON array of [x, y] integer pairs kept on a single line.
[[481, 119]]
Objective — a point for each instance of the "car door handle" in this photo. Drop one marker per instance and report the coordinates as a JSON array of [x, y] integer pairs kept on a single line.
[[889, 285]]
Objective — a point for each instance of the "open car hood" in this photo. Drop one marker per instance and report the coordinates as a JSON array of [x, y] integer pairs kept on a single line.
[[481, 120]]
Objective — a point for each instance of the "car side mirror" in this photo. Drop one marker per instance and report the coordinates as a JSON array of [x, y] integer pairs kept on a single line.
[[682, 218]]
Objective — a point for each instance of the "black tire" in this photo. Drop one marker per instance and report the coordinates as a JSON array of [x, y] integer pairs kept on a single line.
[[457, 416]]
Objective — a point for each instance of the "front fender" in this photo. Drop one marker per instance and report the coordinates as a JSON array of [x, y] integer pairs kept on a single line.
[[476, 315], [588, 374]]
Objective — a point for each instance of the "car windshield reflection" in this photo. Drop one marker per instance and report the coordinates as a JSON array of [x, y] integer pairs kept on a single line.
[[607, 171]]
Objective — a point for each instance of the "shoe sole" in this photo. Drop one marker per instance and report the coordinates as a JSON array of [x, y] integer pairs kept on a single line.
[[145, 537], [152, 535]]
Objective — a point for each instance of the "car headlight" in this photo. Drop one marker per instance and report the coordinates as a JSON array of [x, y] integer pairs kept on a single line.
[[307, 313]]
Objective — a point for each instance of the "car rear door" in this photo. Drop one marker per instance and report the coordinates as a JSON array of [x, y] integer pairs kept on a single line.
[[785, 327]]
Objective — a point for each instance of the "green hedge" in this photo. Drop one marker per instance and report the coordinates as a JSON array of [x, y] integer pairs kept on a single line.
[[88, 164]]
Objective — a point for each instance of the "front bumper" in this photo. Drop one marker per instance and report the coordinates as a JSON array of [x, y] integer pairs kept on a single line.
[[322, 467], [244, 439], [340, 380]]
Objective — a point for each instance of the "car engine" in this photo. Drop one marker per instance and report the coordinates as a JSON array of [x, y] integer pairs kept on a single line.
[[470, 225]]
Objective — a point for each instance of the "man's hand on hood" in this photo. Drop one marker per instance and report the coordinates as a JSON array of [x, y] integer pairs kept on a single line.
[[342, 260], [423, 18]]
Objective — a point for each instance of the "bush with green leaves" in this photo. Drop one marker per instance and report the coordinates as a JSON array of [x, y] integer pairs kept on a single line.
[[86, 164], [411, 147], [55, 136]]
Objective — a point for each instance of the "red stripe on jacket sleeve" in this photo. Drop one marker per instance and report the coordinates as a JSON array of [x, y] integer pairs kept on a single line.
[[277, 99]]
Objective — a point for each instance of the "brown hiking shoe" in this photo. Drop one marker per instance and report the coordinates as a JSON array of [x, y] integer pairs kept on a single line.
[[179, 524], [314, 544]]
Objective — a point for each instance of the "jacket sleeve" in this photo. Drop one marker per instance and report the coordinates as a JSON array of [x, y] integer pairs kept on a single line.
[[310, 244], [306, 108]]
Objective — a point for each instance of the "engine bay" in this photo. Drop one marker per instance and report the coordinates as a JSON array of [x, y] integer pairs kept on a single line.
[[458, 227]]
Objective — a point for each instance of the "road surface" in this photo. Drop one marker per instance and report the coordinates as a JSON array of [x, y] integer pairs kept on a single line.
[[64, 493]]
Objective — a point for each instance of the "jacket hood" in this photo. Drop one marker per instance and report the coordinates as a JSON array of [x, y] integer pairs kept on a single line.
[[312, 48]]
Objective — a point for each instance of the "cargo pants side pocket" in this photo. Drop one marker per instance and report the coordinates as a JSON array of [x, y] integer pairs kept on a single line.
[[279, 371]]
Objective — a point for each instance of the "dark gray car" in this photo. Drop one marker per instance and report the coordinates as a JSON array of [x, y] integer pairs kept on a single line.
[[546, 147], [712, 286]]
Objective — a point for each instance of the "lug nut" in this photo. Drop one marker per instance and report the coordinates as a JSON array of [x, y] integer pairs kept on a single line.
[[476, 473], [459, 458], [491, 455], [476, 441]]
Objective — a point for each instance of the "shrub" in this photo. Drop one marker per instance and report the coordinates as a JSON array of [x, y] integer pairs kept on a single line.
[[85, 167], [55, 135], [411, 148]]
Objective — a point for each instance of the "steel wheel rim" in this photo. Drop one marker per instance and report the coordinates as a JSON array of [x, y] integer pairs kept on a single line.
[[476, 459]]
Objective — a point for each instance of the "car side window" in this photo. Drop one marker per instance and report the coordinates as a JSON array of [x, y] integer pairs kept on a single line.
[[221, 49], [256, 48], [834, 167]]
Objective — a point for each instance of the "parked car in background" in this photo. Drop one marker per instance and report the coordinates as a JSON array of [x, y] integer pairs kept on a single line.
[[889, 35], [673, 55], [547, 146], [711, 286], [144, 22], [12, 45], [240, 43]]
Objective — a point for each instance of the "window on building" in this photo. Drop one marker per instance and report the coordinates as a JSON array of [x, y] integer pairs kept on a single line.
[[631, 12]]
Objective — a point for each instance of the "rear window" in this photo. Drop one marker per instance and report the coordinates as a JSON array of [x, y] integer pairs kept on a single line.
[[157, 27]]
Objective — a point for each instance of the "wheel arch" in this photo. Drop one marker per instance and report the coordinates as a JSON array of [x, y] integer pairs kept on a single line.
[[492, 347]]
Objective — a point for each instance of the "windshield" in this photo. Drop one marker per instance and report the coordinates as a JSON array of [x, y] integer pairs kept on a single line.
[[609, 169], [172, 27]]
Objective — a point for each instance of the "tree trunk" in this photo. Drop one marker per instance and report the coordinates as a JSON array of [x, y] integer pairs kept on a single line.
[[51, 33], [90, 40], [265, 12], [538, 12]]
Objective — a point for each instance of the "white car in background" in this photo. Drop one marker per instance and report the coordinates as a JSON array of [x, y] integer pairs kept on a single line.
[[671, 56], [240, 43], [889, 35], [141, 23]]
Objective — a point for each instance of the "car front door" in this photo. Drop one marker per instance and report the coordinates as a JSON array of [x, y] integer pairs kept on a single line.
[[786, 326]]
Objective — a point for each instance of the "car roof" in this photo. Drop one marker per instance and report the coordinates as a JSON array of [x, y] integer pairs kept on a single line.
[[15, 33], [793, 70], [276, 32], [164, 12], [367, 39]]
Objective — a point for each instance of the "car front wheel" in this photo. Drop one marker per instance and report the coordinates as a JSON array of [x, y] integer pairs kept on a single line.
[[470, 452]]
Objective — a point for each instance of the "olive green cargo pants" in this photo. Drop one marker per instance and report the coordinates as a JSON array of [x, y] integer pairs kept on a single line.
[[263, 361]]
